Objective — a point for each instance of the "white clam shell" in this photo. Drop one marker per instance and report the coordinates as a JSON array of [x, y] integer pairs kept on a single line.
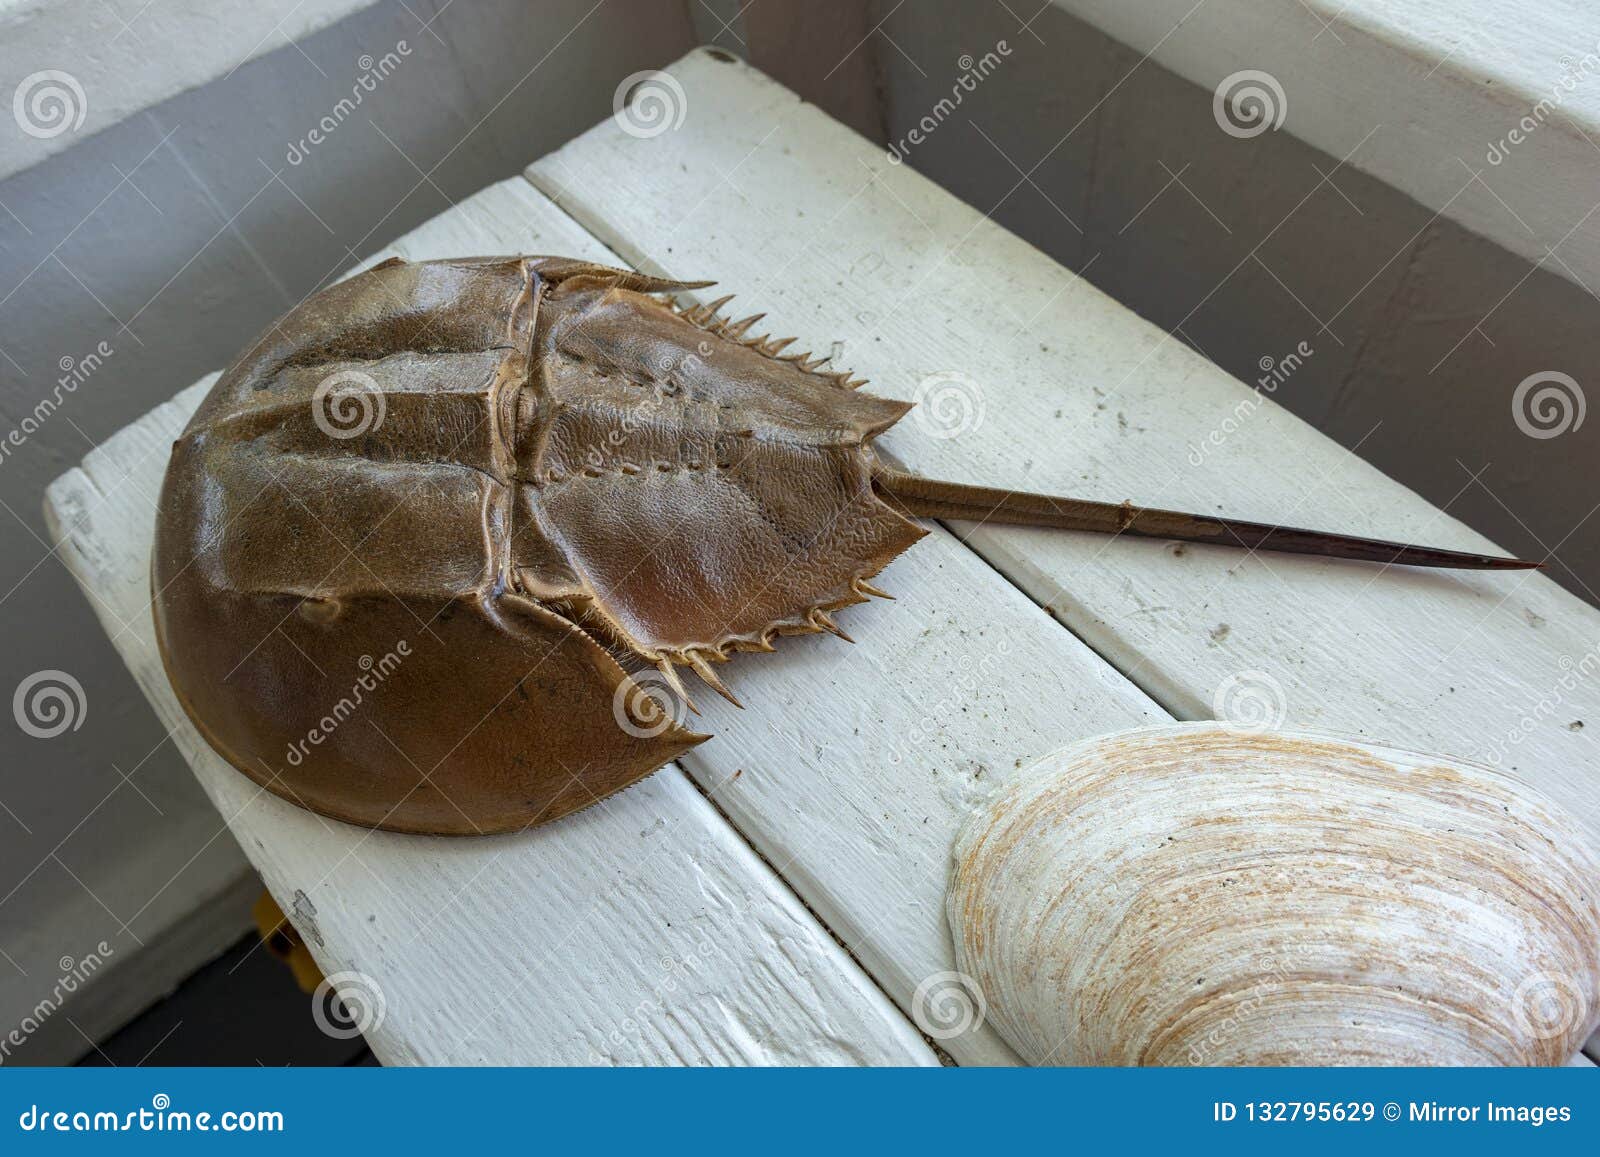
[[1197, 894]]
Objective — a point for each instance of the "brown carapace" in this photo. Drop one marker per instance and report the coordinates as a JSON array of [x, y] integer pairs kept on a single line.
[[429, 552]]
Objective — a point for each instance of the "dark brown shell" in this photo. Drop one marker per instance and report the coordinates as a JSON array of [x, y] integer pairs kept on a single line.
[[415, 540]]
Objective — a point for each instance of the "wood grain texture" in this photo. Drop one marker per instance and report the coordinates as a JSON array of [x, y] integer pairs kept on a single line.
[[1069, 392], [1058, 389], [853, 767], [643, 930]]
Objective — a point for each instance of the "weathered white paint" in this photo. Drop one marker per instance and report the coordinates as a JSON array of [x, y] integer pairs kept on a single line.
[[806, 221], [810, 223], [126, 55], [643, 930], [1419, 93], [854, 798], [1253, 251], [168, 221], [851, 768]]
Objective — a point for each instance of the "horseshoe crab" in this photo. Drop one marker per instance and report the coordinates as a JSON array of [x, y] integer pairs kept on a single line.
[[430, 549]]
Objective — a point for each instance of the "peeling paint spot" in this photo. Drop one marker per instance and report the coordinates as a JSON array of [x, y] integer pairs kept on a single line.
[[303, 914]]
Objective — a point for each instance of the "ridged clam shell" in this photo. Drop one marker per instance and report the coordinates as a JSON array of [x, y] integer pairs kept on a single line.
[[1196, 894]]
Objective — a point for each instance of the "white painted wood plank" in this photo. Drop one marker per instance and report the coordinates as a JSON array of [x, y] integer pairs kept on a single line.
[[1074, 394], [852, 768], [643, 930], [807, 222], [113, 58], [1419, 93]]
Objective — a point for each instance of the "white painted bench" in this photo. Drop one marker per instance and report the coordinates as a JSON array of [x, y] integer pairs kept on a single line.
[[789, 909]]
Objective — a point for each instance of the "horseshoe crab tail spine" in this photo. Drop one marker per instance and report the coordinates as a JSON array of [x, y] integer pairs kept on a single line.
[[926, 498]]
